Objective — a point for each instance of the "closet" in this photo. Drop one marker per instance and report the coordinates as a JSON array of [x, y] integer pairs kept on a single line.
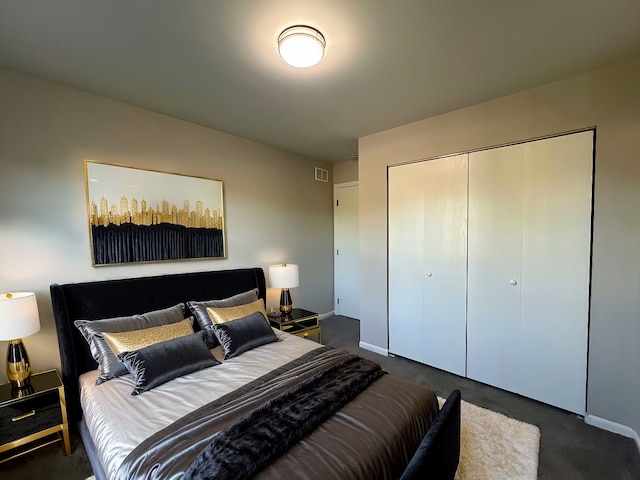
[[510, 304], [427, 261]]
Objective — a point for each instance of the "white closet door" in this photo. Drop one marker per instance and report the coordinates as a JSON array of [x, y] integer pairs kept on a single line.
[[445, 275], [406, 260], [427, 262], [556, 246], [529, 262], [494, 275]]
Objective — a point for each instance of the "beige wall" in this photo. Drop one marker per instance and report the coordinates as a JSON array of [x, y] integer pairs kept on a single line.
[[608, 99], [46, 132], [345, 171]]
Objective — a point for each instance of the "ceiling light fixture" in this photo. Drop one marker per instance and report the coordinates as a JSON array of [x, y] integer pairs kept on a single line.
[[301, 46]]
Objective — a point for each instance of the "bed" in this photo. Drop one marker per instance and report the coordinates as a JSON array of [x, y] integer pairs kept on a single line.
[[285, 407]]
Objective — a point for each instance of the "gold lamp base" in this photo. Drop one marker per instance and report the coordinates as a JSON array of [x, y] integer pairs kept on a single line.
[[18, 366]]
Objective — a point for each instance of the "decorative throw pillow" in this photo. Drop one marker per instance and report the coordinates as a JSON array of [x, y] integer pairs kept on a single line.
[[243, 334], [92, 331], [158, 363], [199, 310], [136, 339], [225, 314]]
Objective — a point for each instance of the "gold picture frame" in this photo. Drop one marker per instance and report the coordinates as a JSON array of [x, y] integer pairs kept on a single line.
[[138, 215]]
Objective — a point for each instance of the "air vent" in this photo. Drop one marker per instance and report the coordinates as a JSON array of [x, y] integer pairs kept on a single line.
[[322, 175]]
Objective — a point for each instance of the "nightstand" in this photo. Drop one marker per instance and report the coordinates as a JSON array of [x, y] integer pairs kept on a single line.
[[34, 417], [299, 322]]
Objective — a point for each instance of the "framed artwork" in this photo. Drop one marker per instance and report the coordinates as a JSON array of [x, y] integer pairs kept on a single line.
[[140, 215]]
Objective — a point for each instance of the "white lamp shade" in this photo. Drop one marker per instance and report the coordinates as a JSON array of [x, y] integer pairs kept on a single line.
[[284, 275], [18, 315], [301, 46]]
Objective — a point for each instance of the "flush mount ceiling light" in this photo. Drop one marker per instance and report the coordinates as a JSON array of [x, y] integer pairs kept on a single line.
[[301, 46]]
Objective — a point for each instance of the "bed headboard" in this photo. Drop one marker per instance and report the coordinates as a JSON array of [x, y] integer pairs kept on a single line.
[[115, 298]]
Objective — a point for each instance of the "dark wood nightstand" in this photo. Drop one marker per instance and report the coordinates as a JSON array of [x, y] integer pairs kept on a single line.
[[299, 322], [34, 417]]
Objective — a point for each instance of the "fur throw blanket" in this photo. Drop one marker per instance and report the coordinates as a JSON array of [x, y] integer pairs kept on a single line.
[[250, 443]]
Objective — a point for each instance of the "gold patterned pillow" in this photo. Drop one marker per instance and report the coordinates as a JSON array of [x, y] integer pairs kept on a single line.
[[225, 314], [137, 339]]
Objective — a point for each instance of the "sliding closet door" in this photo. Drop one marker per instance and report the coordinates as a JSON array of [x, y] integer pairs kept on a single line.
[[406, 260], [445, 275], [427, 256], [529, 263], [495, 276], [556, 250]]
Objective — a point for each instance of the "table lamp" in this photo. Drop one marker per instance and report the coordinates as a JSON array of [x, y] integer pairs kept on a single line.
[[18, 318], [284, 276]]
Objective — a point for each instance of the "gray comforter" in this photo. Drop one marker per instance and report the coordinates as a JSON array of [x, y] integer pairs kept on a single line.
[[273, 414], [237, 435]]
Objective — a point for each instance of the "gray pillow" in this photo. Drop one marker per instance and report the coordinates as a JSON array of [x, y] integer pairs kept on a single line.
[[158, 363], [199, 310], [243, 334], [91, 330]]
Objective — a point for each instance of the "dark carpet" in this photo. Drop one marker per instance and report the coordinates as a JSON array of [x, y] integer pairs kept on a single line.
[[569, 448]]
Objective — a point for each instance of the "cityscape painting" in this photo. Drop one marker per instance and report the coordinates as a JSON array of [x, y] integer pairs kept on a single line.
[[140, 215]]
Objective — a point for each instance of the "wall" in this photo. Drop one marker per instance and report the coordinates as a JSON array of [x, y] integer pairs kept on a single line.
[[345, 172], [608, 99], [47, 131]]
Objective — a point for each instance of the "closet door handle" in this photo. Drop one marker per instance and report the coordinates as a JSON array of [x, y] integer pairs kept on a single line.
[[429, 274], [514, 282]]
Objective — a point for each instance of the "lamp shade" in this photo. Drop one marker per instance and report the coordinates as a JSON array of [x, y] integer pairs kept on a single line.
[[18, 315], [284, 275]]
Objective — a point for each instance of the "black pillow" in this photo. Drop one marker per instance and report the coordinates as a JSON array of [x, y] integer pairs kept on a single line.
[[242, 334], [158, 363], [199, 310]]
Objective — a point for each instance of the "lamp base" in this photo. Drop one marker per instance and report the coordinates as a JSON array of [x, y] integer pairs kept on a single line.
[[18, 366], [285, 301], [20, 392]]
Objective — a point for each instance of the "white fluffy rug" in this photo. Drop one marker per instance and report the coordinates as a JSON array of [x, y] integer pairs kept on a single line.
[[496, 447]]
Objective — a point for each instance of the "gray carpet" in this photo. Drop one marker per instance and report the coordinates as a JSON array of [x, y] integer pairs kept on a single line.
[[569, 450]]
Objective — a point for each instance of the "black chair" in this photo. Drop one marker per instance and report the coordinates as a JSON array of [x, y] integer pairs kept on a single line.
[[438, 454]]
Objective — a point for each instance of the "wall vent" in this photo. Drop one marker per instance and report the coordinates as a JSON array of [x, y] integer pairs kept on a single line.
[[322, 175]]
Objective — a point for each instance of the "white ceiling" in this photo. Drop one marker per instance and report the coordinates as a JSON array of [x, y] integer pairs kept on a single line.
[[387, 63]]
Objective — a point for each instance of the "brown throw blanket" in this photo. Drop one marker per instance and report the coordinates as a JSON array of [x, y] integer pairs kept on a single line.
[[239, 434]]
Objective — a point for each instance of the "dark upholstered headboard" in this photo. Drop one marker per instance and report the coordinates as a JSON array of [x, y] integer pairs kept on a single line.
[[115, 298]]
